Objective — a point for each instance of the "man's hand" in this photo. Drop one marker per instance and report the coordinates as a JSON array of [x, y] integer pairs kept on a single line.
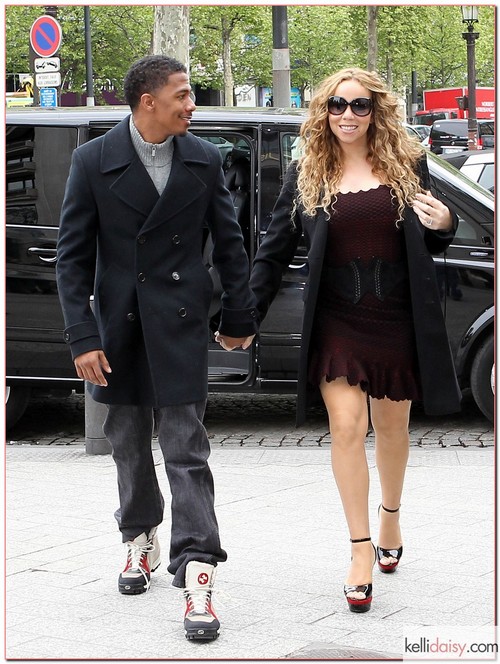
[[90, 366], [230, 343]]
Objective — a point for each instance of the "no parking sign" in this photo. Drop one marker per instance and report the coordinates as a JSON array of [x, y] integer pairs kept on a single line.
[[46, 36]]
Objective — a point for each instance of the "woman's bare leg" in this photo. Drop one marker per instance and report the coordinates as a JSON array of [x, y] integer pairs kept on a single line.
[[390, 420], [348, 417]]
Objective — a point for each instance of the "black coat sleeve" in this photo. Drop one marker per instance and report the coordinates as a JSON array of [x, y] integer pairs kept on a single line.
[[436, 241], [76, 260], [278, 246], [239, 315]]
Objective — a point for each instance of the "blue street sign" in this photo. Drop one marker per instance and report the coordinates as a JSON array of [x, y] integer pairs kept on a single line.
[[46, 36], [48, 97]]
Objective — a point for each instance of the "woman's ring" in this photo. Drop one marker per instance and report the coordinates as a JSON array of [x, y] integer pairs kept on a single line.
[[429, 222]]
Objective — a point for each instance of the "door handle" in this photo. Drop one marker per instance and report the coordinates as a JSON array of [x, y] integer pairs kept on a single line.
[[45, 255]]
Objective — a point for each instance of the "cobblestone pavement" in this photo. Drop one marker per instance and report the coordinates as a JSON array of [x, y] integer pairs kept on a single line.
[[250, 420]]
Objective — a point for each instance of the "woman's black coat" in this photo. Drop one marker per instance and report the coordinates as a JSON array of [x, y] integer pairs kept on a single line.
[[140, 254], [441, 393]]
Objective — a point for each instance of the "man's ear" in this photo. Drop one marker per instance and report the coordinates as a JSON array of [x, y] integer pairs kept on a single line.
[[147, 101]]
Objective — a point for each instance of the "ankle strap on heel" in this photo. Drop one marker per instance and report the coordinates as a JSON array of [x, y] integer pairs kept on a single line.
[[363, 539], [388, 510]]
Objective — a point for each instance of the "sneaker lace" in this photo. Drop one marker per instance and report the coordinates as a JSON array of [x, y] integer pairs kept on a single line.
[[135, 552], [199, 599]]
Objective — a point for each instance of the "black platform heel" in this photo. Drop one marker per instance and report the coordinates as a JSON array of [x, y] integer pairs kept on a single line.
[[388, 553], [362, 604]]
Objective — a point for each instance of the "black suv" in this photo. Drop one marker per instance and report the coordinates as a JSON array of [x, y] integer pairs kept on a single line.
[[264, 142], [454, 133]]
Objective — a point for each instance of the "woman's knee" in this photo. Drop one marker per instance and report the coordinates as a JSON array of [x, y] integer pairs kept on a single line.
[[390, 420], [347, 430]]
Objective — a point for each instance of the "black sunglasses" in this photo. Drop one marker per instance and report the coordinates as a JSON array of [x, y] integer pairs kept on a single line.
[[361, 106]]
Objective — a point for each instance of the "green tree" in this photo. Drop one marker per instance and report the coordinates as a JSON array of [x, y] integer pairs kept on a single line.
[[441, 52], [319, 43], [230, 46], [397, 30], [485, 46], [120, 34], [322, 39]]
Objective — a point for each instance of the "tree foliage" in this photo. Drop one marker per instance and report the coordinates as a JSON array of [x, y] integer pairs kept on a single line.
[[322, 39], [248, 31], [120, 35]]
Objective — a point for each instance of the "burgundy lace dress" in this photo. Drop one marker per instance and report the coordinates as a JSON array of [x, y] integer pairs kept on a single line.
[[372, 341]]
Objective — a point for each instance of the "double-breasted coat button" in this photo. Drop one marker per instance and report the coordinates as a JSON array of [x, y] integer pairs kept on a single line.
[[131, 317], [253, 313], [141, 239], [176, 239], [66, 336], [176, 276], [182, 312], [141, 276]]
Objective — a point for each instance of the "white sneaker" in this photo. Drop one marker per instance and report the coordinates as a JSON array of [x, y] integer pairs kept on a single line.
[[143, 557], [200, 621]]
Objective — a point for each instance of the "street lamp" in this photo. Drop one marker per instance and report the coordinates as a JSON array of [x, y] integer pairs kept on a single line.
[[469, 17]]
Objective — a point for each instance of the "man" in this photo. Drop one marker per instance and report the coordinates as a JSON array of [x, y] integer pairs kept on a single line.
[[136, 203]]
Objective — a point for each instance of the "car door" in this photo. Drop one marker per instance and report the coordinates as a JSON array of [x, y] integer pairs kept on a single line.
[[37, 166], [280, 332], [467, 282], [238, 145]]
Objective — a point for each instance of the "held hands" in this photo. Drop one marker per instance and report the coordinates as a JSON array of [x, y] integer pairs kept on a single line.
[[432, 213], [230, 343], [90, 366]]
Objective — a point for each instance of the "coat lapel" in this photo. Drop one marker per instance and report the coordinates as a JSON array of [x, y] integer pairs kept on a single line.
[[132, 185], [187, 181], [135, 188]]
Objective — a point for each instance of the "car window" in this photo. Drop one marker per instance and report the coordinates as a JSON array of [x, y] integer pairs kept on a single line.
[[231, 147], [291, 148], [472, 171], [487, 178], [486, 128], [37, 167], [467, 233], [482, 173], [445, 129]]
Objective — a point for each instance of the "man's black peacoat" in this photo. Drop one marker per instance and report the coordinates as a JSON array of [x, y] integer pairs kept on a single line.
[[441, 393], [140, 254]]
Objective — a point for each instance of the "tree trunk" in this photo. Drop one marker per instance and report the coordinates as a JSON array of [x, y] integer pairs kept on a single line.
[[389, 65], [371, 64], [171, 32], [226, 62]]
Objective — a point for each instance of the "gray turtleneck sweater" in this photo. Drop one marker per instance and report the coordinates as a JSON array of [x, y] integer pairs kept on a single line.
[[156, 157]]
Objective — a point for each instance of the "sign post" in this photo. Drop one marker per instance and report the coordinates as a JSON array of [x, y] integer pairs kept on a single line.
[[46, 36], [48, 97], [45, 41]]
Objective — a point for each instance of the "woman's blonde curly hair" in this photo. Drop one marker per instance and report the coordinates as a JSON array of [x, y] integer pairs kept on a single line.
[[392, 152]]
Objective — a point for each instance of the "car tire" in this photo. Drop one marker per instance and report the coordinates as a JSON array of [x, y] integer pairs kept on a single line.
[[16, 402], [481, 378]]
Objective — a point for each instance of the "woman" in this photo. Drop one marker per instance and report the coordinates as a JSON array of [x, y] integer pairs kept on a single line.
[[373, 337]]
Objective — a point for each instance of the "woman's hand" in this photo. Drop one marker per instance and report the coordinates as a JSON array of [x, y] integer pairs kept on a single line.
[[432, 213]]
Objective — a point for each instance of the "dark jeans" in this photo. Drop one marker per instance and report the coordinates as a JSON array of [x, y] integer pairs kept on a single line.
[[185, 446]]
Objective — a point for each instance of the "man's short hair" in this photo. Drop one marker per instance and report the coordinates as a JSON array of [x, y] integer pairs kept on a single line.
[[149, 74]]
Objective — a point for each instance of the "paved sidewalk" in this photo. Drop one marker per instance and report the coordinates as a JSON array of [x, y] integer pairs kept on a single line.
[[281, 588], [255, 420]]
